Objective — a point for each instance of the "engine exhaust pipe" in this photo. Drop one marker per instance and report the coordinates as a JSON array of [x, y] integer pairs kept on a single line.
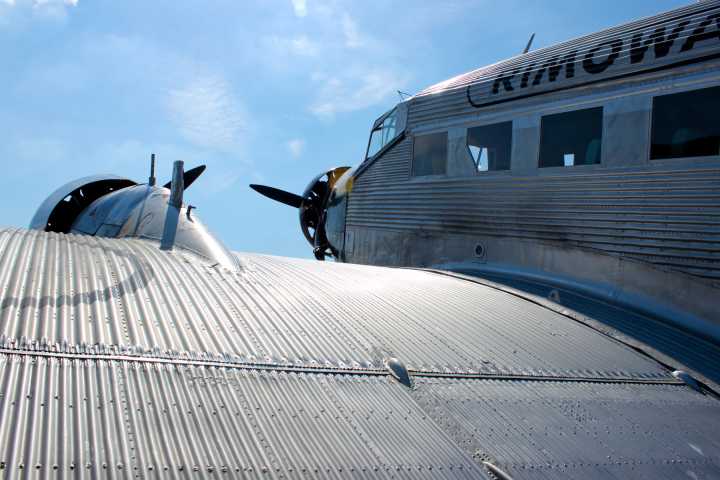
[[174, 205]]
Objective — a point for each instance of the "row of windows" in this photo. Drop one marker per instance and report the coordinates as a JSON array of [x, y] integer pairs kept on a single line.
[[683, 125]]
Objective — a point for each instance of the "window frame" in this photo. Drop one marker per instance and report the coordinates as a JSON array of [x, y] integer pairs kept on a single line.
[[511, 121], [376, 127], [585, 166], [659, 161], [412, 155]]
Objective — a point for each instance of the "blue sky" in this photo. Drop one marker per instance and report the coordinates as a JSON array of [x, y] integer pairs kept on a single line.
[[268, 92]]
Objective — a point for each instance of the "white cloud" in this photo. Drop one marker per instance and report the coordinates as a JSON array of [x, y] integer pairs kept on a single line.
[[351, 33], [300, 7], [299, 45], [207, 114], [296, 147], [40, 3], [20, 11], [354, 91], [304, 46]]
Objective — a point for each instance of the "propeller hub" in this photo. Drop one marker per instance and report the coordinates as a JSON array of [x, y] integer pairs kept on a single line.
[[312, 208]]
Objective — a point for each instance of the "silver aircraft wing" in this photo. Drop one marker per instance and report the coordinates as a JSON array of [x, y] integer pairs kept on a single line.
[[121, 360]]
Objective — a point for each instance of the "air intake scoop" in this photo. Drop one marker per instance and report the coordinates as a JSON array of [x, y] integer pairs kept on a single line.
[[59, 210]]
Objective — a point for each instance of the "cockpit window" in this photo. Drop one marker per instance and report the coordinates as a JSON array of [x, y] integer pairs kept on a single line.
[[383, 132]]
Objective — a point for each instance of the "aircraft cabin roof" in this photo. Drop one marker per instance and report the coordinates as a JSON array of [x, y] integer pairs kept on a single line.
[[682, 36]]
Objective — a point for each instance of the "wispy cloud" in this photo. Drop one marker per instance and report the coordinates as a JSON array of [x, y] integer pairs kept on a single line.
[[207, 114], [299, 7], [304, 46], [351, 33], [296, 147], [19, 14], [299, 45], [355, 90]]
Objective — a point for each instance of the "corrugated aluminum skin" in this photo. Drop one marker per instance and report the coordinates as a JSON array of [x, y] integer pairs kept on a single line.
[[694, 353], [665, 216], [120, 360], [90, 418], [92, 294], [663, 212], [598, 430]]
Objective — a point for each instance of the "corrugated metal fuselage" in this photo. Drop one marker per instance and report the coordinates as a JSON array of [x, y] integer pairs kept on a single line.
[[630, 227]]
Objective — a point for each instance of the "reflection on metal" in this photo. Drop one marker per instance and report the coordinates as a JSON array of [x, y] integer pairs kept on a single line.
[[399, 371], [177, 185], [140, 211], [285, 312], [686, 378], [497, 473], [172, 214], [554, 296]]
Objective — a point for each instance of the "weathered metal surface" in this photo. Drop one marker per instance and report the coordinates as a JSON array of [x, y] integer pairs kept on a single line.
[[650, 228], [673, 345], [66, 292], [395, 165], [669, 217], [552, 430], [119, 359]]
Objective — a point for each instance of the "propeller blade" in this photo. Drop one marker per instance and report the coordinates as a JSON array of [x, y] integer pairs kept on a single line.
[[278, 195], [189, 176]]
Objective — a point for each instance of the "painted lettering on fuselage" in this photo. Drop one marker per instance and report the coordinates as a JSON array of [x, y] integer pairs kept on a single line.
[[639, 48]]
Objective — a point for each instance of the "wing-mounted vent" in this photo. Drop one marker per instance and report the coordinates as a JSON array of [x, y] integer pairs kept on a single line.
[[58, 212]]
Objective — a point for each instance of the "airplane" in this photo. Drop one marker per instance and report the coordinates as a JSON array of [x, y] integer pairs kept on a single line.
[[525, 287]]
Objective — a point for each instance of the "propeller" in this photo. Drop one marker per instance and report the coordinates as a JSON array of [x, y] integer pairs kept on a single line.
[[189, 176], [312, 208], [278, 195]]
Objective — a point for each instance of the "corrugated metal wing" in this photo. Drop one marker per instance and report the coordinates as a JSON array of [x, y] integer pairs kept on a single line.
[[120, 360], [75, 293]]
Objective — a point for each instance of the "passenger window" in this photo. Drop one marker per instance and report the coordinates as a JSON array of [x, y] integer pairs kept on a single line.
[[430, 154], [490, 146], [686, 124], [571, 138]]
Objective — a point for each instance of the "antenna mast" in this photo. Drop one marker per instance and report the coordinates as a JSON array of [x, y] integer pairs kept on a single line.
[[151, 180], [529, 44]]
